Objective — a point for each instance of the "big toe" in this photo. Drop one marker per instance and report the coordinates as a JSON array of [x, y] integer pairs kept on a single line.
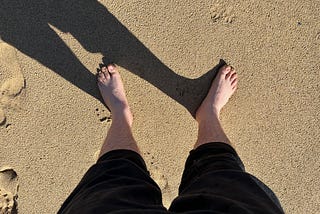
[[225, 70], [112, 68]]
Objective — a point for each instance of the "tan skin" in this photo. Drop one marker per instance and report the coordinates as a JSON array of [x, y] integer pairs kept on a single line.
[[209, 127]]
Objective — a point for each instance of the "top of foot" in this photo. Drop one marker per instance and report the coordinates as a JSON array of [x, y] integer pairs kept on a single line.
[[222, 88]]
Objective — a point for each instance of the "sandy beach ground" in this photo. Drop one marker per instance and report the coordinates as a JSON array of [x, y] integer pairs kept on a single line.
[[53, 123]]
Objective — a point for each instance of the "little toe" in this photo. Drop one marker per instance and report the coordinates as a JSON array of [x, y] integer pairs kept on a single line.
[[234, 83], [234, 88]]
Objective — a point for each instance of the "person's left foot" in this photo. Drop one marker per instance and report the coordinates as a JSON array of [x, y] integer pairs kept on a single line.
[[112, 91], [222, 88]]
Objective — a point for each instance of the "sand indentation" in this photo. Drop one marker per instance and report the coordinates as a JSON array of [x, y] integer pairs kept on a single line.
[[159, 177], [96, 155], [318, 35], [103, 115], [12, 87], [220, 12], [2, 117], [11, 79], [8, 190]]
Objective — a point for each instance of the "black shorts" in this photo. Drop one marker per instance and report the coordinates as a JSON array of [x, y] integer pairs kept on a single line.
[[214, 181]]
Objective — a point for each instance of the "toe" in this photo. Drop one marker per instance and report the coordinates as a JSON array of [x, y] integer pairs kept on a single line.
[[234, 88], [233, 76], [104, 68], [101, 77], [231, 73], [225, 69], [112, 68], [105, 72], [234, 83]]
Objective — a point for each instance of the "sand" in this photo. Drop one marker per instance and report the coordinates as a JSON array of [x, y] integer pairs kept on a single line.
[[53, 123]]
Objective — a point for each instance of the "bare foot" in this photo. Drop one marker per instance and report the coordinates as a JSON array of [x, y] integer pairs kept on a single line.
[[223, 86], [113, 93]]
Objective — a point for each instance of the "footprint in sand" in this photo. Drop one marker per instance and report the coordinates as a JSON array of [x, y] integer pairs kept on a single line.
[[103, 115], [8, 191], [159, 177], [220, 12], [162, 181], [11, 79]]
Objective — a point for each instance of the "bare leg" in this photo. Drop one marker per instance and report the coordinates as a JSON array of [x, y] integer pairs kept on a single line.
[[207, 116], [119, 135]]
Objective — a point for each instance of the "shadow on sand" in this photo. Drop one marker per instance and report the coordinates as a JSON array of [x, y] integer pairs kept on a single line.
[[25, 25]]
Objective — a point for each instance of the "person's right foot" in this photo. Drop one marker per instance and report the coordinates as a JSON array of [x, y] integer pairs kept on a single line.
[[223, 86]]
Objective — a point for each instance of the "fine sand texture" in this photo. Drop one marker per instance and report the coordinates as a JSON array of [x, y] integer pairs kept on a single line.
[[53, 122]]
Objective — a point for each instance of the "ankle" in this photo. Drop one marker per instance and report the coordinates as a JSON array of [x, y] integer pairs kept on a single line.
[[211, 114], [122, 116], [210, 130]]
